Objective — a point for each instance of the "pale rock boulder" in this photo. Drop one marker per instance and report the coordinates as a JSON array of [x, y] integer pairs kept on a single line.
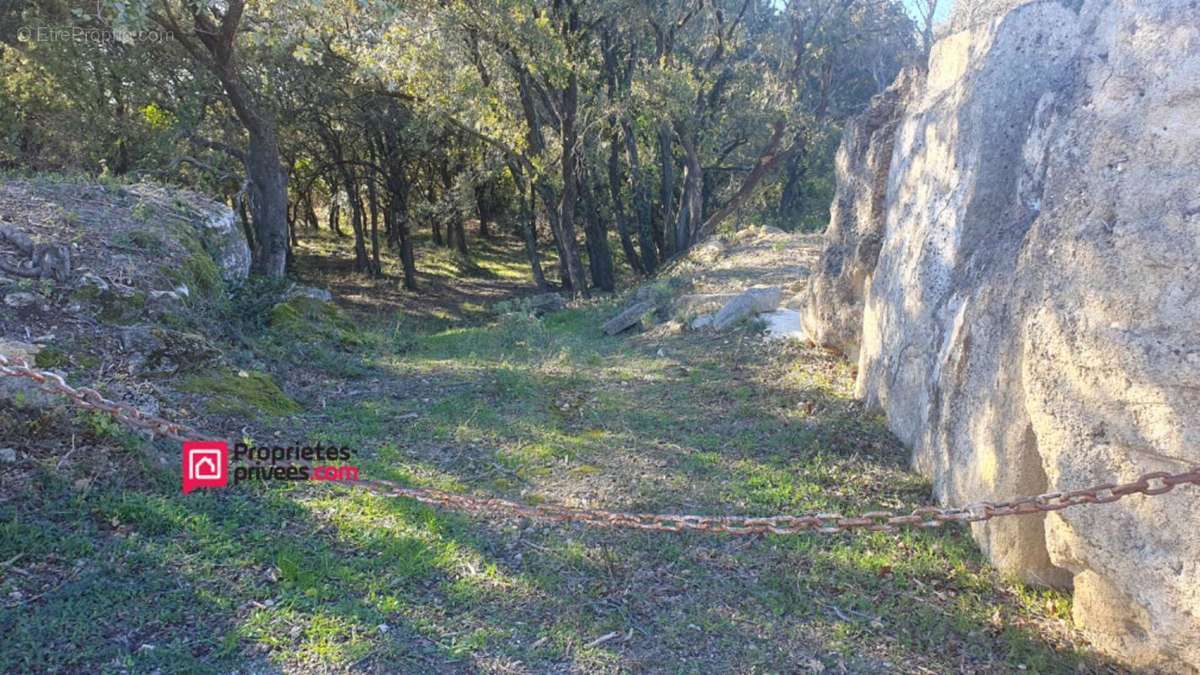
[[226, 242], [750, 302], [1032, 322], [832, 303], [960, 200], [216, 226], [1111, 341]]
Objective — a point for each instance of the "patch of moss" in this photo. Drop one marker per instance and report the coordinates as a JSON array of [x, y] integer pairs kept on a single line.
[[87, 361], [146, 240], [87, 293], [49, 357], [239, 392], [285, 316], [121, 309], [313, 320], [199, 273]]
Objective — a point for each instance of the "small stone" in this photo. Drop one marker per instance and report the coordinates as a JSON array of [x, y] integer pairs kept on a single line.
[[628, 318], [546, 303], [8, 455], [20, 299], [300, 291], [91, 280], [754, 301]]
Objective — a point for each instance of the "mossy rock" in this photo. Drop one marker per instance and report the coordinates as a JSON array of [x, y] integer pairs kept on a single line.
[[188, 350], [199, 272], [50, 357], [121, 308], [313, 320], [241, 392], [87, 293], [144, 240]]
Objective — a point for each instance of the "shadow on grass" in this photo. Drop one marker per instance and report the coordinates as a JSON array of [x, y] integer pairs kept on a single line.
[[329, 579]]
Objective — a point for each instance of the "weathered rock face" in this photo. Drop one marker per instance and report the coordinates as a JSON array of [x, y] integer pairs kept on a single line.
[[214, 224], [226, 242], [834, 298], [1032, 322]]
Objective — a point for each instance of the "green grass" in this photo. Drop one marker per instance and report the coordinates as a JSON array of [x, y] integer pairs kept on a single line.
[[130, 575]]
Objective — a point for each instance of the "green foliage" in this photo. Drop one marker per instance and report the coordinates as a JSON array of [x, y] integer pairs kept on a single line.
[[465, 100]]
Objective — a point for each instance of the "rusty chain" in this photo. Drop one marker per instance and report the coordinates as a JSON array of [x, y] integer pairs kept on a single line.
[[90, 399], [1155, 483]]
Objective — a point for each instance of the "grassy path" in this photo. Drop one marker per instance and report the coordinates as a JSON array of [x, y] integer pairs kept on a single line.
[[111, 569]]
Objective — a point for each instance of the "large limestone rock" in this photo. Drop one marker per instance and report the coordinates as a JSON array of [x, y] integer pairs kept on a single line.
[[226, 243], [1032, 322], [834, 298], [214, 224]]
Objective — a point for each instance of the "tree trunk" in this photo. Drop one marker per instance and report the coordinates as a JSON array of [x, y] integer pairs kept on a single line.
[[645, 222], [268, 202], [435, 226], [407, 261], [600, 262], [483, 208], [265, 172], [791, 197], [361, 261], [691, 202], [310, 213], [551, 202], [614, 189], [768, 159], [460, 235], [566, 217], [527, 200], [292, 241], [238, 203], [376, 266], [335, 209], [666, 193]]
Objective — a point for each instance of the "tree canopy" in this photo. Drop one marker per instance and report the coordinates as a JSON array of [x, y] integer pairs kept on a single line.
[[605, 134]]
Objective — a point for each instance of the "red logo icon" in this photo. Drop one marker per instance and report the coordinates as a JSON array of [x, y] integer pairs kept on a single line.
[[205, 465]]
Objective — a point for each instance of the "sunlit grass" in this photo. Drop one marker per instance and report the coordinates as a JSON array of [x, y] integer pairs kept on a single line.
[[542, 410]]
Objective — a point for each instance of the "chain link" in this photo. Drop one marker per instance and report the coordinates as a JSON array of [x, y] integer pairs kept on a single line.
[[1156, 483], [90, 399]]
